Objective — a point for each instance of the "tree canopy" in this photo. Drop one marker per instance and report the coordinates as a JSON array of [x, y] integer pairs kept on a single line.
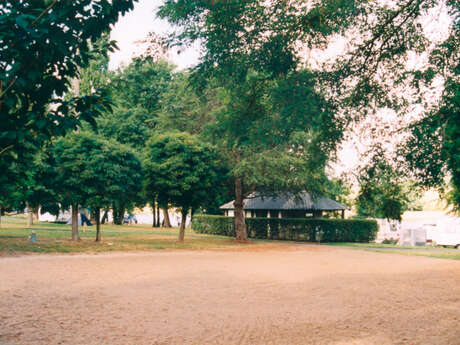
[[92, 171], [43, 45], [136, 91], [182, 171], [381, 193]]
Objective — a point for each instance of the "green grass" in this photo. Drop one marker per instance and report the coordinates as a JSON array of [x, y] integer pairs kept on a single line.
[[428, 251], [55, 238], [371, 245]]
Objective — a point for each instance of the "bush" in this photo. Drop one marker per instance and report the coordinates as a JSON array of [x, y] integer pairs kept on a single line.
[[293, 229], [213, 225]]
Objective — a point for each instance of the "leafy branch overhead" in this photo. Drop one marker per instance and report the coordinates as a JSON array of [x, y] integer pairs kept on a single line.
[[43, 45]]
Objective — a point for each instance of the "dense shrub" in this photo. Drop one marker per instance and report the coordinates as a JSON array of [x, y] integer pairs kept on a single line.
[[294, 229], [214, 225]]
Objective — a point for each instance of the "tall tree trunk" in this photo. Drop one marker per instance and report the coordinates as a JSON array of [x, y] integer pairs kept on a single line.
[[114, 214], [97, 214], [158, 216], [154, 222], [182, 225], [167, 222], [30, 216], [240, 224], [75, 236]]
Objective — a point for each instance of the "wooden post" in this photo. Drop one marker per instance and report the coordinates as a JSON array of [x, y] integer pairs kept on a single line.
[[343, 214]]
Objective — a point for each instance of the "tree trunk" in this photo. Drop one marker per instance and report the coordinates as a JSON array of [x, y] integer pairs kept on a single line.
[[97, 214], [118, 214], [158, 216], [75, 236], [154, 222], [30, 216], [182, 226], [167, 222], [240, 225]]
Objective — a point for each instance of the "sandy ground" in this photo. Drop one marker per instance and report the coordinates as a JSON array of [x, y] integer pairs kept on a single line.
[[294, 295]]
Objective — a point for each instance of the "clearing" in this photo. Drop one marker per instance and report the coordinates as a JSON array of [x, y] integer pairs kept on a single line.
[[288, 294]]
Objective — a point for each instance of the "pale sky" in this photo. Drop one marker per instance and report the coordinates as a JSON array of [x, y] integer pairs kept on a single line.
[[135, 26]]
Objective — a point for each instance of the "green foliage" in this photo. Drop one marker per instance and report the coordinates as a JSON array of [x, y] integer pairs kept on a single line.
[[181, 170], [213, 225], [293, 229], [274, 127], [339, 190], [278, 133], [381, 193], [136, 91], [92, 171], [391, 35], [243, 35], [183, 109], [414, 194], [432, 150], [43, 46]]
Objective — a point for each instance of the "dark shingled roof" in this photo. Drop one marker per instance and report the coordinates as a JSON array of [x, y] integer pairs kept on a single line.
[[303, 201]]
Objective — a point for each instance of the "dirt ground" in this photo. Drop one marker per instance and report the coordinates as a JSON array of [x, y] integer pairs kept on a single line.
[[297, 294]]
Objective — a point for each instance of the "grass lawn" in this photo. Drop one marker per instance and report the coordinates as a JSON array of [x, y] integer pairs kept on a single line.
[[430, 251], [55, 238]]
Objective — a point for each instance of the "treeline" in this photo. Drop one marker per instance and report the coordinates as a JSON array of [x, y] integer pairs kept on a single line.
[[142, 148]]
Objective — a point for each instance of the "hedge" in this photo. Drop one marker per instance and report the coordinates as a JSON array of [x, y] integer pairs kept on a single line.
[[293, 229]]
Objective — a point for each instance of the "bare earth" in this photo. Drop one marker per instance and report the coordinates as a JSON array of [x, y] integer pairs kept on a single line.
[[293, 294]]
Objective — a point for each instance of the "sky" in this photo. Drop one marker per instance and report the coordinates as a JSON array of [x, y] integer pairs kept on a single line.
[[135, 26]]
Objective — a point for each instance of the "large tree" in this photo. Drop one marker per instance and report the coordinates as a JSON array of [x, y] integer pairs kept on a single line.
[[182, 171], [273, 124]]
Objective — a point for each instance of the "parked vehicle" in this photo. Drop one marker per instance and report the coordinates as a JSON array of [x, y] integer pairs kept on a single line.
[[446, 232]]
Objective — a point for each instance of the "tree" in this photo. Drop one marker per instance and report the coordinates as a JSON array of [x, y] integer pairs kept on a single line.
[[88, 170], [43, 45], [183, 171], [184, 109], [377, 72], [136, 91], [381, 193], [274, 126]]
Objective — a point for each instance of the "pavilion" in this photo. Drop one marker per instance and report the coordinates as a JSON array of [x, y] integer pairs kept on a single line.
[[286, 205]]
